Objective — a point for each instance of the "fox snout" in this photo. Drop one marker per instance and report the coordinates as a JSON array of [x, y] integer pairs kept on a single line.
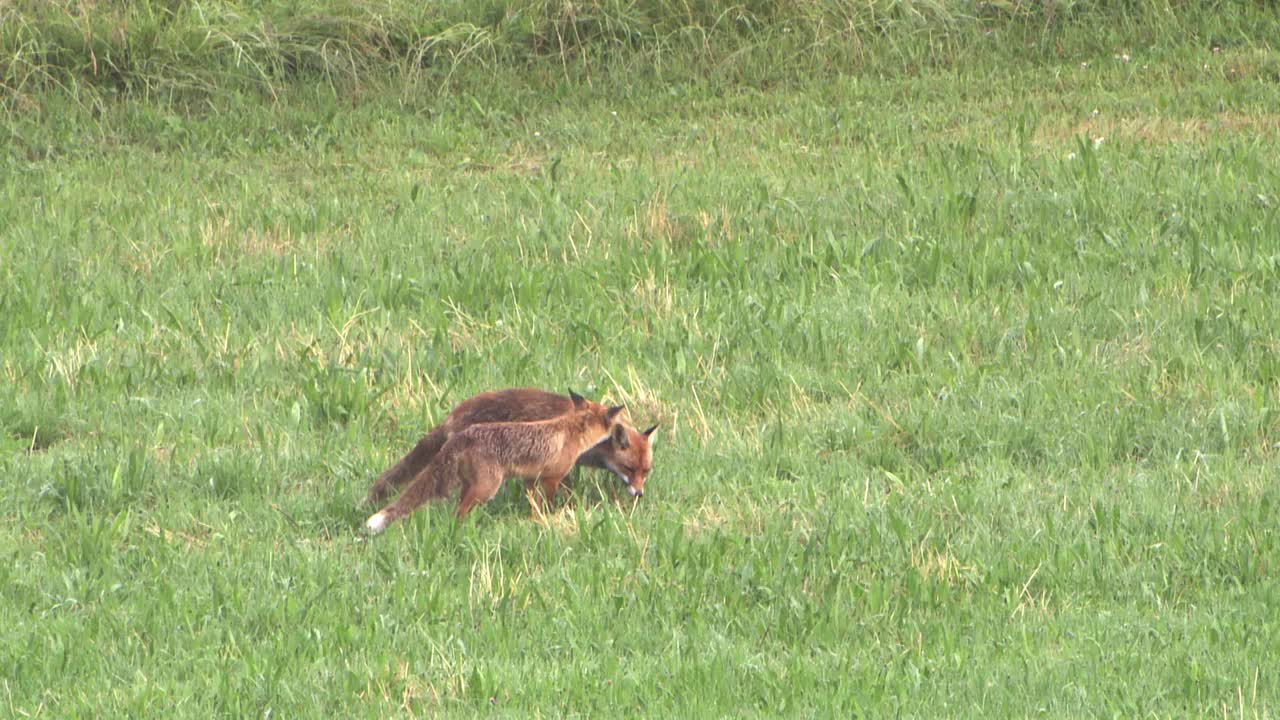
[[634, 481]]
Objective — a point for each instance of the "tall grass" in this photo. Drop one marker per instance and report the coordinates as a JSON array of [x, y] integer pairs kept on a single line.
[[180, 49]]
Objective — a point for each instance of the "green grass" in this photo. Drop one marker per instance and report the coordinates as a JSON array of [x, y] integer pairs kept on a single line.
[[968, 374]]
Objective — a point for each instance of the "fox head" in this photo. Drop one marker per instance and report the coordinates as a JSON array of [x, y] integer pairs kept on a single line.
[[626, 453]]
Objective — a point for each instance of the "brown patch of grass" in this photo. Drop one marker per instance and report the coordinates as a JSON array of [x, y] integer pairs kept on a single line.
[[172, 536], [940, 565], [412, 693], [1250, 65], [521, 161], [21, 103], [655, 220], [489, 584], [230, 243], [657, 298], [1127, 351], [413, 689], [717, 224], [411, 391], [564, 520], [465, 331], [714, 515], [1161, 129], [707, 517], [643, 405], [161, 455], [146, 256], [66, 362]]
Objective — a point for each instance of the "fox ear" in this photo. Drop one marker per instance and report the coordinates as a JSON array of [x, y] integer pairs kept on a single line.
[[578, 400], [649, 432], [619, 437], [612, 412]]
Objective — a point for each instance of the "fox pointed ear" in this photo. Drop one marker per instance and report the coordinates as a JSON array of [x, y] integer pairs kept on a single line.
[[649, 432], [612, 412], [619, 437], [578, 400]]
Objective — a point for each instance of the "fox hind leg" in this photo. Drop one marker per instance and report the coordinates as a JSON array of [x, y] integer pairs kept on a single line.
[[427, 485], [479, 484]]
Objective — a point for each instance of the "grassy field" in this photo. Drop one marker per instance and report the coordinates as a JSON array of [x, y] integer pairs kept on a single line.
[[967, 369]]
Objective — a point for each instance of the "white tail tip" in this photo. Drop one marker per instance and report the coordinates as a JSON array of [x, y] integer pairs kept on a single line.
[[376, 523]]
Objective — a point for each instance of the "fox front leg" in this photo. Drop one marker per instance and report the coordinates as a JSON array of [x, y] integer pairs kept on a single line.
[[541, 500], [550, 485]]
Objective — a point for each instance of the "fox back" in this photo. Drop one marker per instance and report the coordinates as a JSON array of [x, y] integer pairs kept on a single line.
[[533, 449], [512, 405]]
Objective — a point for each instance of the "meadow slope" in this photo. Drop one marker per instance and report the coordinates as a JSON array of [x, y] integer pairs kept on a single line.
[[967, 370]]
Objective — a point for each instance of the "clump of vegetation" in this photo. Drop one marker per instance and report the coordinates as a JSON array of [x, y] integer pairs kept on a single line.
[[177, 48]]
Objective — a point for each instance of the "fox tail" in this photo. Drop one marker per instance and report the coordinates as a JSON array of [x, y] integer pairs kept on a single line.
[[436, 481], [409, 466]]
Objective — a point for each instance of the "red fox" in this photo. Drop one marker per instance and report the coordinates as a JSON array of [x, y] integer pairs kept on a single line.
[[630, 458], [479, 458]]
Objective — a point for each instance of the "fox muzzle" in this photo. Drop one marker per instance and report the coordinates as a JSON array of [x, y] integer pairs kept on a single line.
[[626, 481]]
